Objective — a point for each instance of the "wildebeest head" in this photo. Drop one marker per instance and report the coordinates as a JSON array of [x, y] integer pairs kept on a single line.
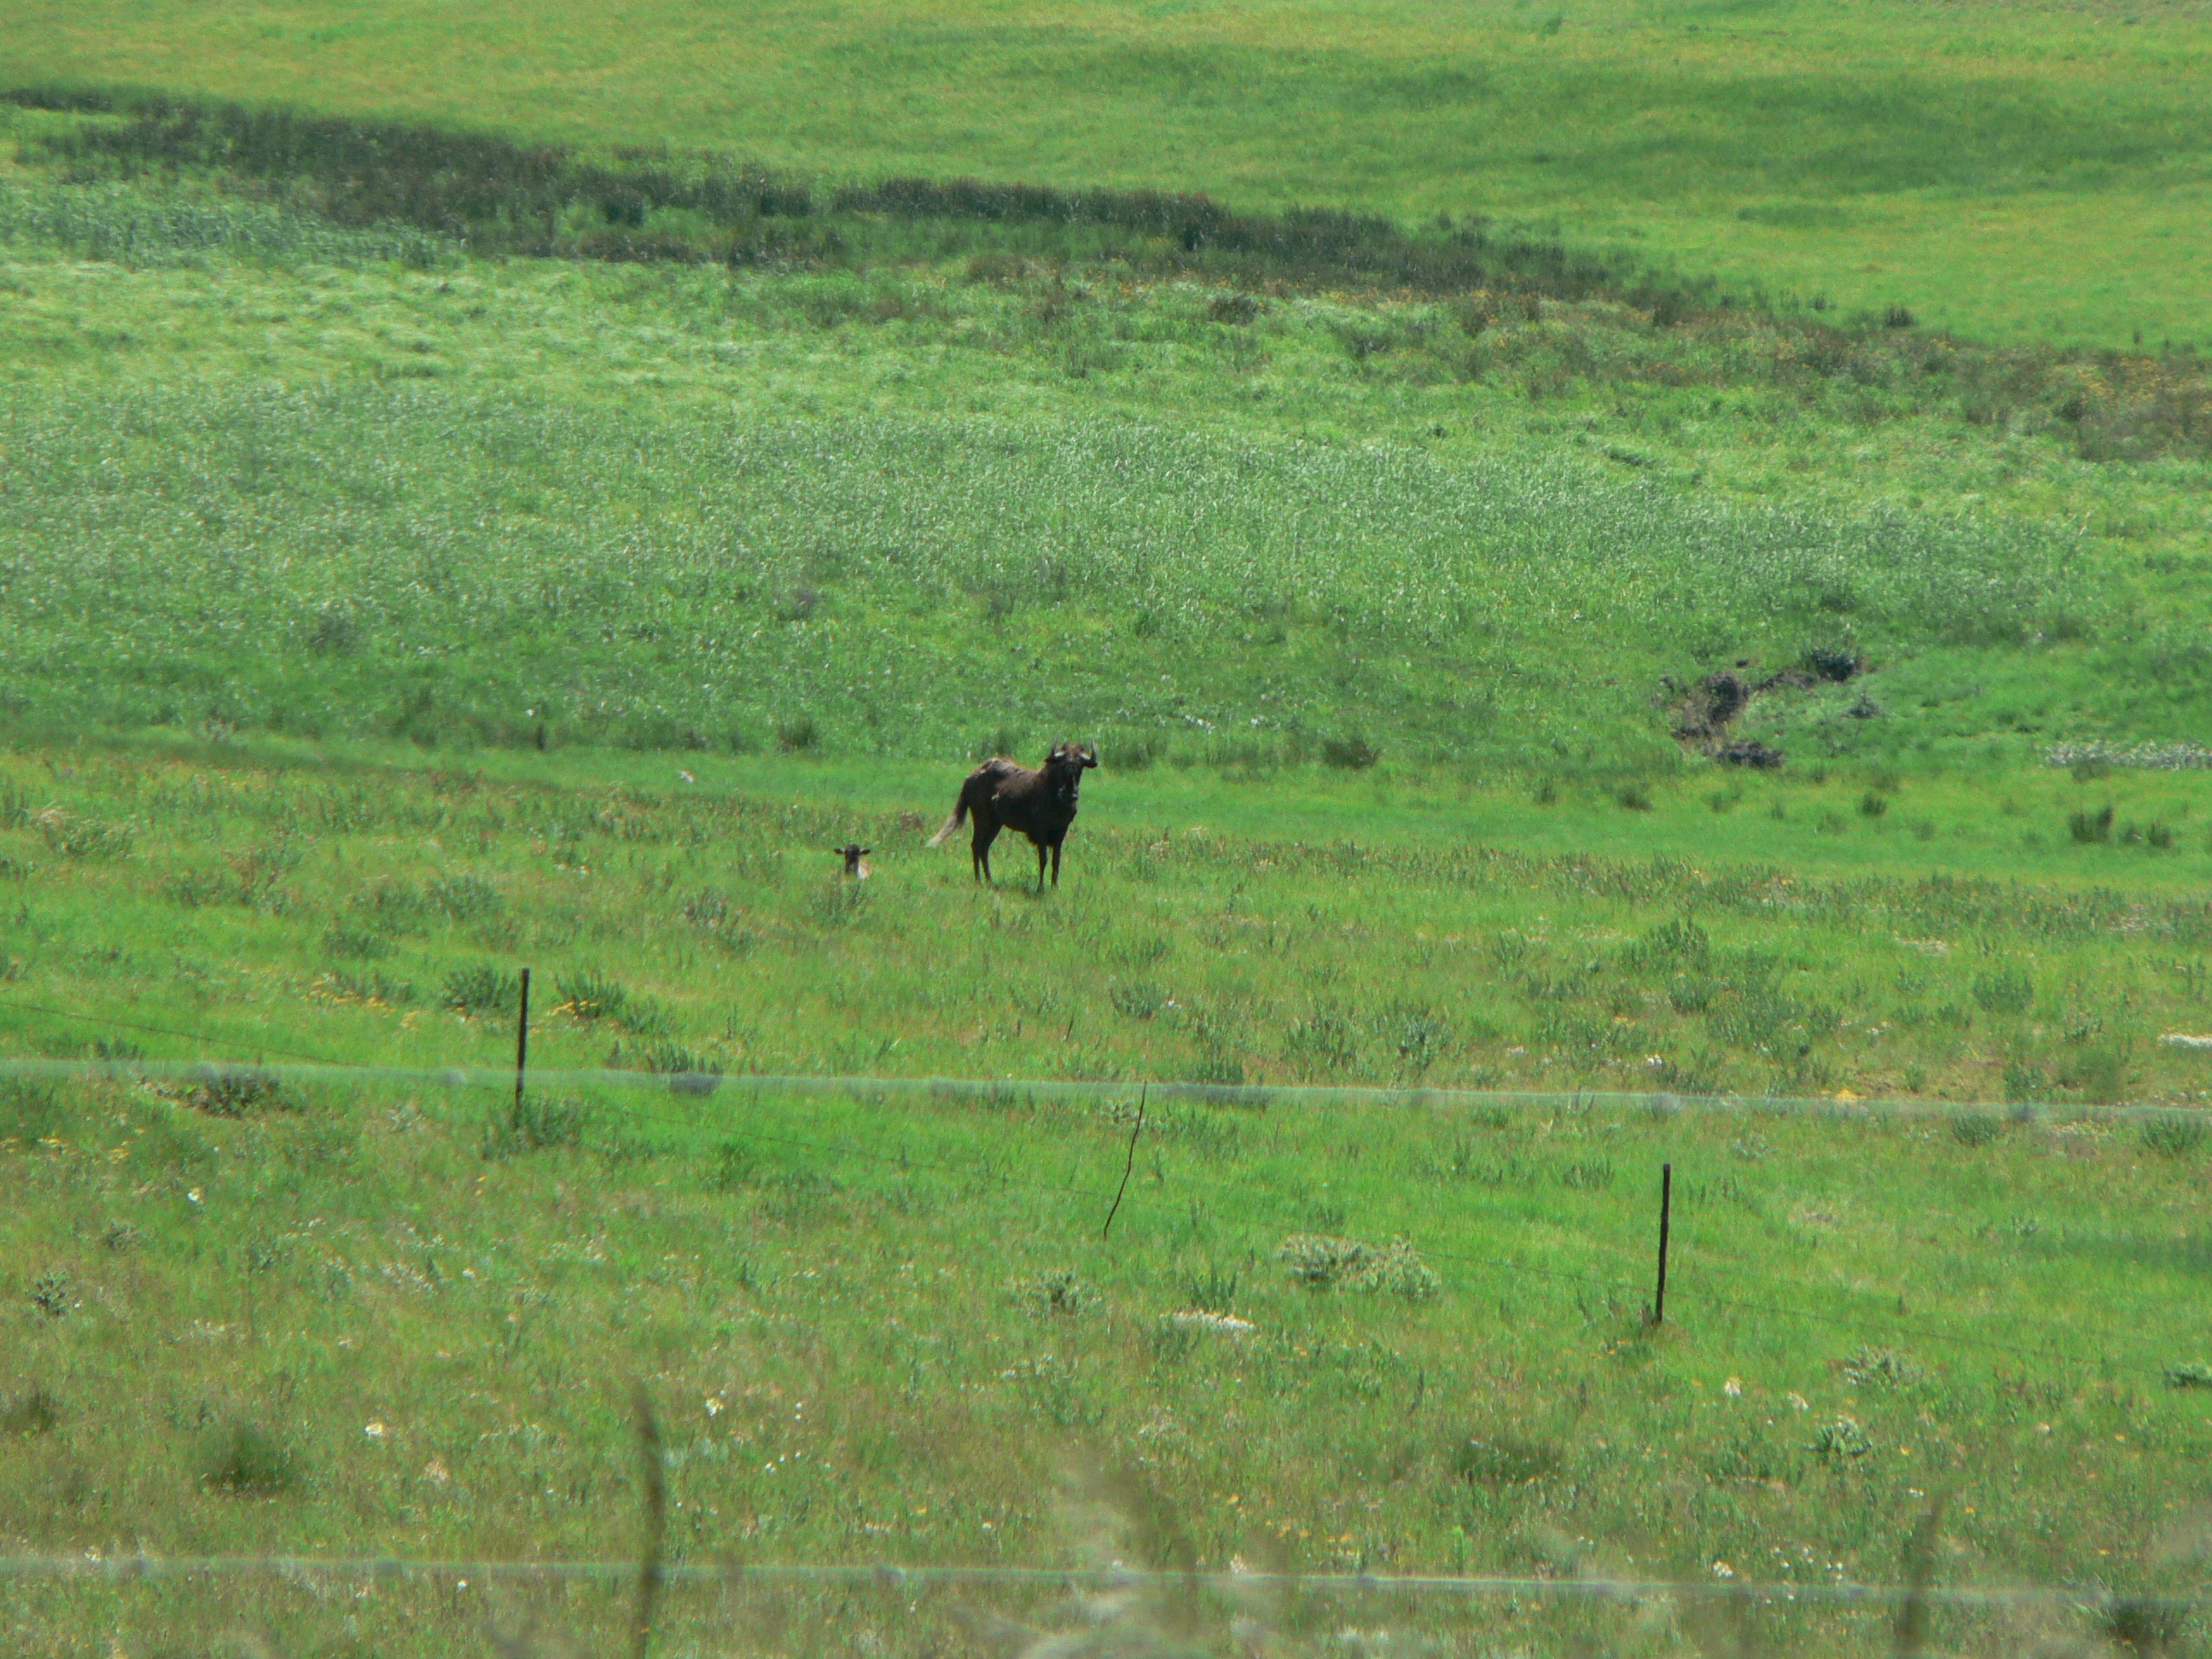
[[1072, 756], [852, 852], [1065, 766]]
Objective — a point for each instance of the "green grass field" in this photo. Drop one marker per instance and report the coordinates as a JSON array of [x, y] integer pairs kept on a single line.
[[277, 1318], [2015, 170], [396, 595], [903, 509]]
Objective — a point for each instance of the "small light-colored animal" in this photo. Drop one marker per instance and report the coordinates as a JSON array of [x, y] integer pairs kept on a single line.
[[1003, 794], [854, 855]]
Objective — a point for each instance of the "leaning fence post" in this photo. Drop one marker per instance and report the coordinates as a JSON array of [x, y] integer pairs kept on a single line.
[[1666, 1207], [521, 1041], [1143, 1095]]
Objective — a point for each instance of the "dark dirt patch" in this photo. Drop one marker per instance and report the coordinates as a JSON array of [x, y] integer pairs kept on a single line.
[[1706, 709], [1704, 712], [1748, 753]]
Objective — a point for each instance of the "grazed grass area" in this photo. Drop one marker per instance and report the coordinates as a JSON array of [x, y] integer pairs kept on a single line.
[[300, 1319], [2018, 171], [355, 916]]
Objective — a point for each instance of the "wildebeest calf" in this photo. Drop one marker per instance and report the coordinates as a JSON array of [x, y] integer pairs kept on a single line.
[[1002, 794]]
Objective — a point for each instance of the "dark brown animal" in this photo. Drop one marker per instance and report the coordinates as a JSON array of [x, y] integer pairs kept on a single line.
[[854, 855], [1002, 794]]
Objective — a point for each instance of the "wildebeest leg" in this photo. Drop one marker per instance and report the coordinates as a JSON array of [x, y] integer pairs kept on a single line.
[[980, 848], [1040, 866], [1056, 863]]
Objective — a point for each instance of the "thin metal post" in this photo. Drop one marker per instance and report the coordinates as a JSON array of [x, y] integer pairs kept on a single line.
[[522, 1041], [1666, 1209], [1143, 1095]]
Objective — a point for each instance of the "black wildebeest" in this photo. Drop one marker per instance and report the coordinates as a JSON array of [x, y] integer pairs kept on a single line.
[[1002, 794], [855, 857]]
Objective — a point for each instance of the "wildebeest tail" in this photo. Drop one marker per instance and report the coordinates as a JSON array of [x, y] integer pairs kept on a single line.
[[951, 823]]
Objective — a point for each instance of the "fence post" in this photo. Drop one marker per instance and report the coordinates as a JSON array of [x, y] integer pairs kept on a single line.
[[1143, 1095], [1666, 1208], [521, 1041]]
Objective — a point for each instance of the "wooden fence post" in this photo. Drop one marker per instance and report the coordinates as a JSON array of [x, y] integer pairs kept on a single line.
[[521, 1041]]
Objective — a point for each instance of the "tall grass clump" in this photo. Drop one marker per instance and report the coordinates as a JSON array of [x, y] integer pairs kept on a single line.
[[244, 1459]]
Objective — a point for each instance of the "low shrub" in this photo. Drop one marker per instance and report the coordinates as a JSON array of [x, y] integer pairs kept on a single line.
[[1352, 753], [1501, 1461], [535, 1123], [1139, 999], [50, 1293], [240, 1092], [1976, 1128], [2173, 1134], [688, 1073], [482, 988], [464, 897], [2087, 827], [591, 995], [1325, 1042], [1840, 1443], [709, 908], [31, 1109], [246, 1460], [355, 943], [1880, 1367], [87, 838], [1322, 1262], [33, 1413], [2009, 990]]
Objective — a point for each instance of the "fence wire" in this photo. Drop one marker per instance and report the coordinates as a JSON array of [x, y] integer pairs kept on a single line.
[[308, 1069], [700, 1086], [892, 1578]]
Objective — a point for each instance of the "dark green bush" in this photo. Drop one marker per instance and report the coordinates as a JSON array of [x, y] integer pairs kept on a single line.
[[240, 1092], [1352, 751], [246, 1460], [2090, 826], [2009, 990]]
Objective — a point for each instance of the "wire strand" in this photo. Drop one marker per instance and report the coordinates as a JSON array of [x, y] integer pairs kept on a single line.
[[894, 1578], [309, 1070], [1257, 1096]]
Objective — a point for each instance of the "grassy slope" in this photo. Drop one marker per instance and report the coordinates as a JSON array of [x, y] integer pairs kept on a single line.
[[1313, 907], [843, 1373], [1341, 520], [198, 403], [2014, 171]]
